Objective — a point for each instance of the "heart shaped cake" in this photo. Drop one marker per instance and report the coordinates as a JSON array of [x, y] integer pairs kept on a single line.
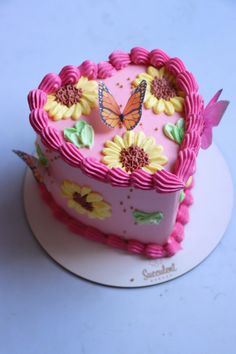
[[117, 144]]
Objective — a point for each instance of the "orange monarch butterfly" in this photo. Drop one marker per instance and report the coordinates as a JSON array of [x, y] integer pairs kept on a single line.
[[110, 111]]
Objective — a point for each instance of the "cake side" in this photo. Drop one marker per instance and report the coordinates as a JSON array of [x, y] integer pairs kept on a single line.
[[131, 213]]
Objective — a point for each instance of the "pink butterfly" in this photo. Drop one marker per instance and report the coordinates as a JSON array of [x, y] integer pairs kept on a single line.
[[212, 115]]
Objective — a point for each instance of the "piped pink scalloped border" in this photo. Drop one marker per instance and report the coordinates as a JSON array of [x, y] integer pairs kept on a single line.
[[149, 250], [163, 181]]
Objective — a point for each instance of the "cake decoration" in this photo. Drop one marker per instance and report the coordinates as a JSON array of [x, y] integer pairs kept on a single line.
[[32, 163], [181, 196], [81, 135], [85, 201], [175, 131], [41, 156], [83, 189], [162, 94], [134, 151], [71, 101], [212, 115], [142, 217], [110, 112]]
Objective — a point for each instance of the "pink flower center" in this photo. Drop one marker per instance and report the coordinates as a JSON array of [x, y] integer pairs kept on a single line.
[[133, 158], [78, 198], [68, 95], [163, 88]]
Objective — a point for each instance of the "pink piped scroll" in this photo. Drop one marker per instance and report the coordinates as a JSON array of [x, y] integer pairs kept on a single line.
[[119, 59], [139, 56], [69, 74], [50, 83], [51, 138], [37, 99]]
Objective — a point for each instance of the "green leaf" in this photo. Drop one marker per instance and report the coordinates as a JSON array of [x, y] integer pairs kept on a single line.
[[181, 196], [142, 217], [175, 132], [81, 135], [87, 136], [42, 158], [80, 125]]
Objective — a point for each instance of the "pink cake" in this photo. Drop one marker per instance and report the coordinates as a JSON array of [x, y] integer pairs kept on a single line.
[[122, 174]]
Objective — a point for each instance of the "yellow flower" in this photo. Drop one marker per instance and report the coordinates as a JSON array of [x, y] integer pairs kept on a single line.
[[71, 101], [85, 201], [162, 95], [134, 151]]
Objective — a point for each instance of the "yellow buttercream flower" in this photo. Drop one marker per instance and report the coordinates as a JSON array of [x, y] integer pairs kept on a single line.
[[134, 151], [162, 94], [71, 101], [85, 201]]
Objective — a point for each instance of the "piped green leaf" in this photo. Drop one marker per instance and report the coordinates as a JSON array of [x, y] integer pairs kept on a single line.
[[87, 135], [175, 132], [41, 157], [181, 196], [81, 135], [142, 217]]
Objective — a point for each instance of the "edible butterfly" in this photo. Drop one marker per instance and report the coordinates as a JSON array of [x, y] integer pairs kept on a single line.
[[110, 111], [32, 163], [212, 116]]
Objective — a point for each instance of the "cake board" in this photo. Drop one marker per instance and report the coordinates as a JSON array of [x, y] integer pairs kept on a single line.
[[107, 266]]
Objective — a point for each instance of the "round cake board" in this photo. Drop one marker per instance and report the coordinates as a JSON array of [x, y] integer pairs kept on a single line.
[[209, 217]]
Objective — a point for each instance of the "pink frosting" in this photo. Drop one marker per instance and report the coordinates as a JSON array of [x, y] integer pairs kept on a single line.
[[119, 59], [37, 99], [139, 55], [50, 83], [118, 177], [94, 168], [183, 215], [186, 82], [149, 250], [158, 58], [71, 154], [115, 241], [178, 232], [185, 164], [38, 119], [51, 138], [69, 74], [194, 113], [105, 70], [191, 140], [175, 66], [89, 69], [193, 104], [166, 182], [141, 179]]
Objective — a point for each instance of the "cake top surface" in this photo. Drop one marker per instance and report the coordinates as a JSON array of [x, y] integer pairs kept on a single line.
[[135, 119]]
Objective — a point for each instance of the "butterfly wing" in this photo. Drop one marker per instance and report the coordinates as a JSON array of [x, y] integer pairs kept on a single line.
[[214, 99], [206, 139], [32, 163], [212, 115], [133, 109], [108, 107]]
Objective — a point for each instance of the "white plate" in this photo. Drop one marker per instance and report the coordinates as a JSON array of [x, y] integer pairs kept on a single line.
[[209, 217]]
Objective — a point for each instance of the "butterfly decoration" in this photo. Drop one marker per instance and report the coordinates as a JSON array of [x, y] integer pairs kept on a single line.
[[110, 111], [212, 116], [32, 163]]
